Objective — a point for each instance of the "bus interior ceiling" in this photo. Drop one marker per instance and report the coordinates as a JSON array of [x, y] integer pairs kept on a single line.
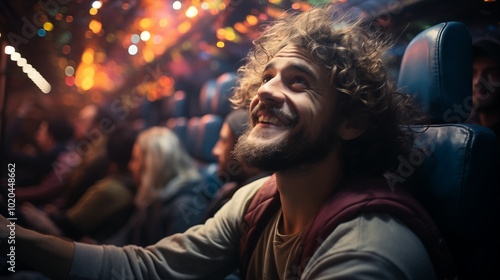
[[76, 35]]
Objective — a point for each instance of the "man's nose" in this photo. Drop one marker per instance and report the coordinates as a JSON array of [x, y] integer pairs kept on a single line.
[[476, 78], [216, 149], [272, 92]]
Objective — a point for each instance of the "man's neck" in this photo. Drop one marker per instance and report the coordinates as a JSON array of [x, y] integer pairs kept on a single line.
[[303, 192]]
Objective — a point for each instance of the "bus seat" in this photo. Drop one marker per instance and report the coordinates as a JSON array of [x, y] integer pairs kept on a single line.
[[209, 128], [207, 94], [176, 105], [192, 135], [215, 106], [452, 169], [179, 126], [215, 94], [175, 110], [437, 69], [225, 88]]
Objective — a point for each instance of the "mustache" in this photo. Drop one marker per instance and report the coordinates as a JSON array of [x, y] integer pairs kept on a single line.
[[286, 117]]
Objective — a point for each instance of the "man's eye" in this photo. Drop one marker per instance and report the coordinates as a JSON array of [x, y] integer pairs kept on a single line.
[[300, 81], [493, 76]]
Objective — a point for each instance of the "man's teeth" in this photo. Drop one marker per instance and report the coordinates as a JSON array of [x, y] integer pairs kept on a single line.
[[271, 120]]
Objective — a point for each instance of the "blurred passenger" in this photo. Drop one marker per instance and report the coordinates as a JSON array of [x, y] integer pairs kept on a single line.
[[83, 163], [104, 208], [51, 139], [486, 112], [169, 189], [486, 84], [233, 174], [88, 162]]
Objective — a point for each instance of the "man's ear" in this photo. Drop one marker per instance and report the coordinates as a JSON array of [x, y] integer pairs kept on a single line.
[[352, 128]]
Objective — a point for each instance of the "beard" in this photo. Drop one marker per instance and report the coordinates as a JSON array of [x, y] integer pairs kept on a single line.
[[487, 96], [491, 105], [288, 153]]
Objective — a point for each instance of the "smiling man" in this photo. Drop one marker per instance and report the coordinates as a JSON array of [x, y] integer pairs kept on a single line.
[[486, 84], [327, 121], [291, 124]]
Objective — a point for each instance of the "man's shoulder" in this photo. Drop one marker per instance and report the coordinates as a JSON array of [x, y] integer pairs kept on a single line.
[[379, 237], [376, 232]]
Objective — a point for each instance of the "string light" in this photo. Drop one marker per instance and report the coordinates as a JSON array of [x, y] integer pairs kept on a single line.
[[28, 69]]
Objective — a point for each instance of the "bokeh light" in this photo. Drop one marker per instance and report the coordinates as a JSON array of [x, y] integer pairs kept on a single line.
[[145, 35], [177, 5], [132, 49]]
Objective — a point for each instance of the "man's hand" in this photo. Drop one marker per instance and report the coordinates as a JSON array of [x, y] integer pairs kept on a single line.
[[4, 229], [50, 255]]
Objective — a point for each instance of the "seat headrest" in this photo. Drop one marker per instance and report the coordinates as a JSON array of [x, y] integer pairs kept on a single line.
[[215, 95], [207, 94], [210, 126], [179, 126], [437, 69], [177, 105], [202, 134], [226, 83]]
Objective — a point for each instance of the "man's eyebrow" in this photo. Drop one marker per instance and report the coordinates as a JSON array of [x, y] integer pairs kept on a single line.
[[299, 67], [302, 68], [269, 65]]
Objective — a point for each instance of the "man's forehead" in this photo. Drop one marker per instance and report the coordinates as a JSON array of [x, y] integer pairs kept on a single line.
[[293, 51], [296, 58]]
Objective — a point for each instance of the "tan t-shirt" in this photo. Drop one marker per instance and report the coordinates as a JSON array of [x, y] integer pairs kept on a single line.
[[275, 254]]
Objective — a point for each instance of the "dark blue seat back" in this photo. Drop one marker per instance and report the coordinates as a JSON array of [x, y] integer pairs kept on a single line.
[[436, 69], [203, 131], [179, 127], [207, 135], [226, 83], [452, 172], [208, 93], [177, 105], [453, 167]]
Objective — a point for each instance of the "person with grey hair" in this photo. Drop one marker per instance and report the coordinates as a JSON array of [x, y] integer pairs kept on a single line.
[[168, 185]]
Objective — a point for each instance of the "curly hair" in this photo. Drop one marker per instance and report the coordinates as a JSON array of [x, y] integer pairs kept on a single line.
[[353, 54]]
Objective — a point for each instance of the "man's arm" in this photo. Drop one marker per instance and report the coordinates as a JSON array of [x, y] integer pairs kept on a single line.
[[213, 247], [50, 255]]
